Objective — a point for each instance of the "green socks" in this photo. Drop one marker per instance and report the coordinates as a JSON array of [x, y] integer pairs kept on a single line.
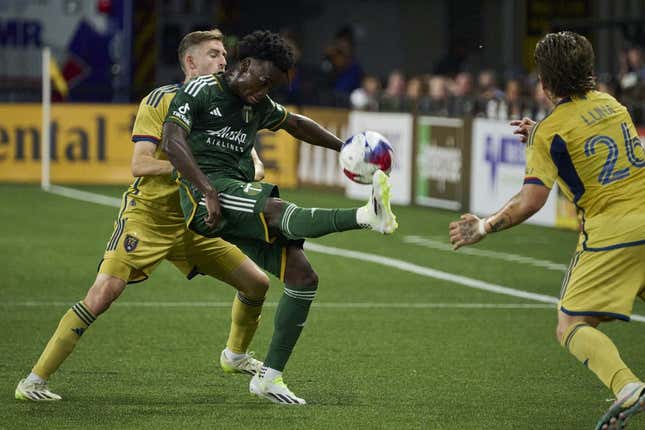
[[289, 321], [298, 223]]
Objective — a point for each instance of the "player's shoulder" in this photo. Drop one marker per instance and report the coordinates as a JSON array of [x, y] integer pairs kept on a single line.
[[202, 85], [155, 96]]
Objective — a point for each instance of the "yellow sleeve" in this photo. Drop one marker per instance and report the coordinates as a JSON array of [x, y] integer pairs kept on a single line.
[[149, 122], [540, 169]]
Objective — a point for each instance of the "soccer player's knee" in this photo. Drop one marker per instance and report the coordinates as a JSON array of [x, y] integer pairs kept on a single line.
[[103, 293], [307, 277], [258, 287], [272, 210], [559, 332]]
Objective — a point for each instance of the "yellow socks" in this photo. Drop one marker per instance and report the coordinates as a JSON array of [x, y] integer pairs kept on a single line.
[[62, 343], [596, 351], [245, 317]]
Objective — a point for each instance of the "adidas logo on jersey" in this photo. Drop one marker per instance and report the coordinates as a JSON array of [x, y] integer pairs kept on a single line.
[[216, 112]]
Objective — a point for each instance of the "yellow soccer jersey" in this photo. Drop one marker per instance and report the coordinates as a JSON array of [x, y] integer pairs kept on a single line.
[[590, 146], [159, 193]]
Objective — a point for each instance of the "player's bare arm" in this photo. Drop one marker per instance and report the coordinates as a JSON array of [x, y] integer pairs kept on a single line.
[[524, 127], [175, 144], [258, 165], [471, 229], [144, 162], [310, 131]]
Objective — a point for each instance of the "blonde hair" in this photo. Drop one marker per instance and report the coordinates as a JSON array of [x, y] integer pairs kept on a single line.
[[195, 38]]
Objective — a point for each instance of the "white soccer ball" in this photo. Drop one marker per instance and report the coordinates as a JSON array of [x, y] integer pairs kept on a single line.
[[365, 153]]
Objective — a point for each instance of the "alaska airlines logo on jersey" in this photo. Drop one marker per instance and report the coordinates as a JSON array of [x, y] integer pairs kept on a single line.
[[228, 133], [505, 150], [183, 109], [216, 112]]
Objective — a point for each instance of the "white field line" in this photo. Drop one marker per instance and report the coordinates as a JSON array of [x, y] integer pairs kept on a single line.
[[441, 246], [85, 196], [437, 274], [379, 259], [328, 305]]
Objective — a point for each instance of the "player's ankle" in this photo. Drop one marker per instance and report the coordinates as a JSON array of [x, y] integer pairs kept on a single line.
[[269, 373], [32, 377], [233, 356], [363, 215], [628, 388]]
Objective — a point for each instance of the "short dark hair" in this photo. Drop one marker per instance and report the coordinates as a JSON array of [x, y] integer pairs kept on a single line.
[[265, 45], [565, 62], [195, 38]]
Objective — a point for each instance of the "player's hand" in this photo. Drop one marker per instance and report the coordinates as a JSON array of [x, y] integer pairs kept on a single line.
[[467, 231], [524, 127], [213, 208]]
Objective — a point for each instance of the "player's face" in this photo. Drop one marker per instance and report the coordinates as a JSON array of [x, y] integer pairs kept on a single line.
[[207, 58], [257, 78]]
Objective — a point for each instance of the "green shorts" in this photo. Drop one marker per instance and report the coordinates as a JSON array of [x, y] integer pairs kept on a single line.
[[271, 257], [243, 223], [242, 204]]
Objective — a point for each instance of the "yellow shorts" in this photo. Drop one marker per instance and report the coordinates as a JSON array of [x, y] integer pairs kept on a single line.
[[604, 283], [142, 239]]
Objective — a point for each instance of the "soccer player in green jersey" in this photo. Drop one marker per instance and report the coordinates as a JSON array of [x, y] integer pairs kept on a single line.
[[589, 145], [208, 135], [150, 228]]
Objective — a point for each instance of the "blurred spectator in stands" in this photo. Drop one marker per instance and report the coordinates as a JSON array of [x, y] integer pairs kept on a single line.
[[414, 92], [436, 102], [341, 65], [632, 68], [490, 96], [393, 97], [541, 105], [462, 100], [367, 96], [632, 82], [513, 105]]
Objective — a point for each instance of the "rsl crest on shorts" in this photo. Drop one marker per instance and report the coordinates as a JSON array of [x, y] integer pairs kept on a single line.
[[130, 243]]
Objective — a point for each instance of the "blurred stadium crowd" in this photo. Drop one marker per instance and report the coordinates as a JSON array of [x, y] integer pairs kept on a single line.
[[452, 91]]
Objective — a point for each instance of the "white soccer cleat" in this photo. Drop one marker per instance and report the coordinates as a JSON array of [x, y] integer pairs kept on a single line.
[[623, 409], [34, 391], [379, 215], [274, 390], [246, 364]]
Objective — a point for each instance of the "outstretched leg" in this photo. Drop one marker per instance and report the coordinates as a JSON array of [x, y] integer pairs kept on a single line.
[[297, 223]]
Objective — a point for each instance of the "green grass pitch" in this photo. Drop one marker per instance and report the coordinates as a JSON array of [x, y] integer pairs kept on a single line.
[[383, 347]]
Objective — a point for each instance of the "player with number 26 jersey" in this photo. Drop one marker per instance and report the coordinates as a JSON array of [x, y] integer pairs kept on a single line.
[[589, 145], [591, 148]]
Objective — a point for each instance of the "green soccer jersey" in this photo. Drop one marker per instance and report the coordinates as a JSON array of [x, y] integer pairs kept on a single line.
[[221, 127]]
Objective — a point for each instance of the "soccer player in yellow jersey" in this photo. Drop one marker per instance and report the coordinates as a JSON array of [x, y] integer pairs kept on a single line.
[[589, 145], [150, 228]]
